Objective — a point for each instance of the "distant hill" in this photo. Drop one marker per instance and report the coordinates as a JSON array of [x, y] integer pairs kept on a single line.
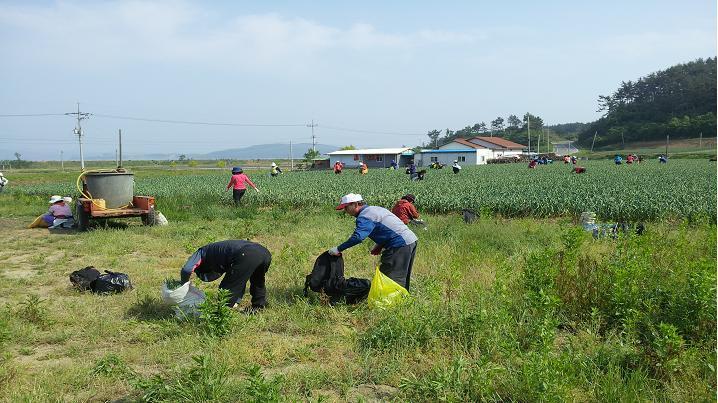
[[264, 151], [679, 102]]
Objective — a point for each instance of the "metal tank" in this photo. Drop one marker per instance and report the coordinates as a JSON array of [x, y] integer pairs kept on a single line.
[[116, 188]]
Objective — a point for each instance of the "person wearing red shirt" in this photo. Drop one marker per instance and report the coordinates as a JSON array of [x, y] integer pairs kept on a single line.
[[338, 167], [237, 183], [405, 210]]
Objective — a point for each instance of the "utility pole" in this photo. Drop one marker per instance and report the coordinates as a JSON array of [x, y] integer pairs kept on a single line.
[[78, 130], [594, 140], [667, 146], [700, 141], [314, 139], [538, 144], [548, 147], [119, 163], [528, 123], [62, 162], [291, 157]]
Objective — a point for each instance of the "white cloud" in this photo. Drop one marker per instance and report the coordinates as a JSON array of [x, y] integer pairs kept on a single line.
[[184, 32]]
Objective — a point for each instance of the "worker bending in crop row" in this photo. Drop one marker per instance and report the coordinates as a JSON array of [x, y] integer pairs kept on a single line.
[[239, 261], [237, 183], [391, 235]]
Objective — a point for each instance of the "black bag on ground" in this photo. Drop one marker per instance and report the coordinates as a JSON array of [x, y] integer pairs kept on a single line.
[[327, 275], [356, 289], [82, 279], [111, 282]]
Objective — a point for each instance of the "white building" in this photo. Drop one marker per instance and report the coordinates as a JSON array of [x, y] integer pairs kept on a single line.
[[372, 157], [457, 150], [500, 147]]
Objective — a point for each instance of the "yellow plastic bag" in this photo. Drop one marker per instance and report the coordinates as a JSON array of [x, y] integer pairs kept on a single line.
[[384, 291], [38, 223]]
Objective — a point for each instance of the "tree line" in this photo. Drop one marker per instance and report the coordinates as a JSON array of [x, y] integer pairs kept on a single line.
[[679, 101]]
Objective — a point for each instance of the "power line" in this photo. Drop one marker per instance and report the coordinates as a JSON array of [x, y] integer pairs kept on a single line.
[[188, 122], [31, 114]]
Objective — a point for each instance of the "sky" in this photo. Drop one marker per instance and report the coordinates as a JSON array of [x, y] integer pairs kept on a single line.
[[369, 73]]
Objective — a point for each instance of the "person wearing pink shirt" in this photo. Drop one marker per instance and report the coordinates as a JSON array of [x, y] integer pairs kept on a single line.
[[59, 213], [237, 183]]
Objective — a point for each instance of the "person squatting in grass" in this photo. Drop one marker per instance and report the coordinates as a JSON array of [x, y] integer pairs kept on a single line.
[[275, 170], [59, 214], [239, 261], [394, 240], [237, 183]]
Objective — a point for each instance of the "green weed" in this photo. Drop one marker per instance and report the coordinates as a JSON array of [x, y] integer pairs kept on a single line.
[[215, 316]]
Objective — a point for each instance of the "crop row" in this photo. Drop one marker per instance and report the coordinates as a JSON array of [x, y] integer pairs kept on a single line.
[[681, 189]]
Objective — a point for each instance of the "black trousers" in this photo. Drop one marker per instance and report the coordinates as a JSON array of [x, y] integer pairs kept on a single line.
[[251, 265], [237, 195], [396, 263]]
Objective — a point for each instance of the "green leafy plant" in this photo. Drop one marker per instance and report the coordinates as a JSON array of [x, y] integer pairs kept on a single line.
[[215, 316], [259, 389], [172, 283]]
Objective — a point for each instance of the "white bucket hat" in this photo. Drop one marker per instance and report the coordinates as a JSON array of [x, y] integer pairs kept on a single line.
[[54, 199], [273, 164], [350, 198]]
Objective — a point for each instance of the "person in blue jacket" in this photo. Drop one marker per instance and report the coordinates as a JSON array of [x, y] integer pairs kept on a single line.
[[394, 240], [618, 159], [394, 165]]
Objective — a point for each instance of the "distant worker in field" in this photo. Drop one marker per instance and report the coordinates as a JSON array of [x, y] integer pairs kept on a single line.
[[275, 171], [363, 168], [411, 170], [3, 182], [618, 160], [237, 183], [566, 159], [420, 175], [394, 165], [338, 167], [579, 170], [456, 167], [574, 159], [239, 261], [406, 211], [629, 159], [663, 159], [394, 240], [532, 164]]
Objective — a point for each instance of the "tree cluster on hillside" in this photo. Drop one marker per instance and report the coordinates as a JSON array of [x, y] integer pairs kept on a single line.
[[679, 101], [513, 128]]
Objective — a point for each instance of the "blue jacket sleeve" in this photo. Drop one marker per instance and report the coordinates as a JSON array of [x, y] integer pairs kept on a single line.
[[364, 227], [192, 263]]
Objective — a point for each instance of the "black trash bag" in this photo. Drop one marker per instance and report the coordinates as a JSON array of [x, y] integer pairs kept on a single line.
[[469, 216], [111, 283], [356, 290], [327, 276], [82, 279]]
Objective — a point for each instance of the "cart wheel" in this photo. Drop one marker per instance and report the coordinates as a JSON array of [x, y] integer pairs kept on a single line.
[[150, 218], [83, 217]]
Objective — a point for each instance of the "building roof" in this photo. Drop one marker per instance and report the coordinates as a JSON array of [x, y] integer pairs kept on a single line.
[[500, 142], [367, 151], [447, 151], [464, 142]]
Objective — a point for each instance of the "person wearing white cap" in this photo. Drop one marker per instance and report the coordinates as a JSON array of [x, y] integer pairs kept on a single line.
[[394, 240], [3, 181], [275, 170], [456, 167], [59, 214]]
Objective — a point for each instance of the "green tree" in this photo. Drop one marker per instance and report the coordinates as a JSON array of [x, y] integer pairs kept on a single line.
[[192, 163], [182, 157], [349, 147], [513, 122], [310, 155], [434, 137], [497, 125]]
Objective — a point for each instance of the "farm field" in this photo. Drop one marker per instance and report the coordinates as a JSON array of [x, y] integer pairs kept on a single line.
[[683, 189], [520, 305]]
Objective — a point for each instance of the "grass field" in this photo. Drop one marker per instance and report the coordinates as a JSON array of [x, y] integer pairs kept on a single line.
[[511, 307]]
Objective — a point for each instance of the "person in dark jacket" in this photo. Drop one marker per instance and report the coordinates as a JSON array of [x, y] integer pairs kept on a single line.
[[239, 261], [391, 235]]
